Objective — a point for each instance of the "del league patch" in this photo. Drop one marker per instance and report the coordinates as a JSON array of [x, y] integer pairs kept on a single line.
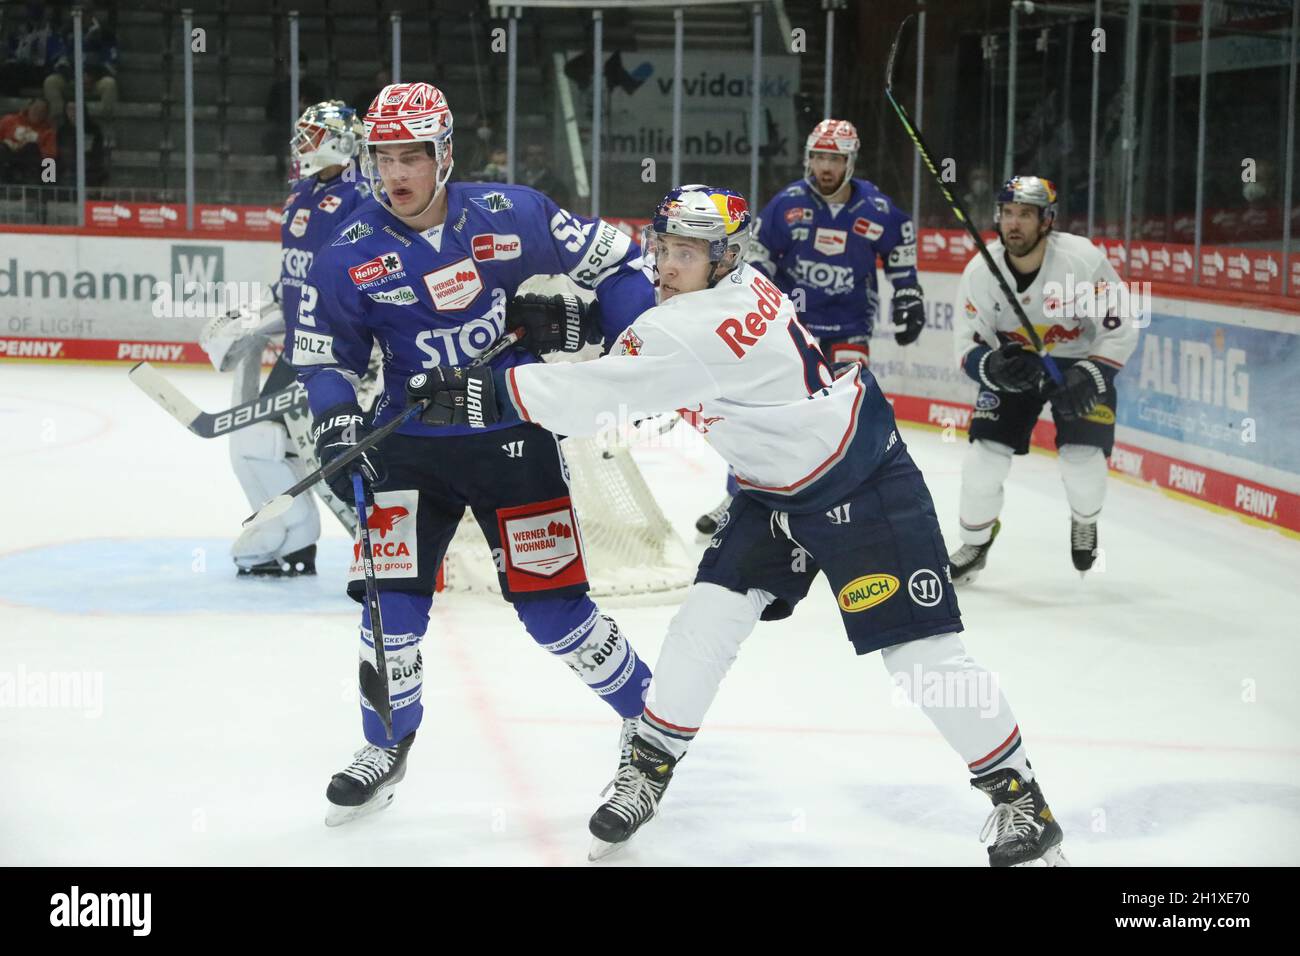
[[867, 229], [489, 245], [455, 286], [541, 546], [330, 204]]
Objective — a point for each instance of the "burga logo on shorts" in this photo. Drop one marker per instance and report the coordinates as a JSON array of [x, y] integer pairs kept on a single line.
[[491, 246], [867, 591]]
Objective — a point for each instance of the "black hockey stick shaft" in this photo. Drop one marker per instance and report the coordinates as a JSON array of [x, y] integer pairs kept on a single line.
[[329, 470], [373, 678], [960, 212]]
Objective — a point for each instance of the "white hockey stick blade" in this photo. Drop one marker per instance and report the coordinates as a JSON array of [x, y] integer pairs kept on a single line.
[[272, 509], [151, 382]]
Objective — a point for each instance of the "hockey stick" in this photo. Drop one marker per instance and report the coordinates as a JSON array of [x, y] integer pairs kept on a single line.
[[207, 424], [284, 501], [373, 678], [1053, 372]]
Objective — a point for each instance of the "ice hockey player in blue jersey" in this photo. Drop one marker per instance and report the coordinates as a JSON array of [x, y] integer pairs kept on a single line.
[[270, 455], [819, 239], [428, 268]]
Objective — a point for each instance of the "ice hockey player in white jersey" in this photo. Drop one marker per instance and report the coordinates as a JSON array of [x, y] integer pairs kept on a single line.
[[271, 455], [1088, 324], [826, 484]]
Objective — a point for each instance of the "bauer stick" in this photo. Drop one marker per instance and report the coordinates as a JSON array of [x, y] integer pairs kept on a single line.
[[374, 676], [1052, 371]]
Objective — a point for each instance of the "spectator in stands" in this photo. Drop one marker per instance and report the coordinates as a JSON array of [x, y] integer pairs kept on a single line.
[[495, 169], [366, 95], [99, 66], [537, 173], [26, 139], [30, 52], [978, 197], [96, 151]]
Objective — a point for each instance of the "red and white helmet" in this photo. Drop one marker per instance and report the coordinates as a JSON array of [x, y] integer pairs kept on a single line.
[[832, 136], [409, 113]]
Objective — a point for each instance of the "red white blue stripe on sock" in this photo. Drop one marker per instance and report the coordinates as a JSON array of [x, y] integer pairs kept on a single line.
[[997, 755], [667, 729]]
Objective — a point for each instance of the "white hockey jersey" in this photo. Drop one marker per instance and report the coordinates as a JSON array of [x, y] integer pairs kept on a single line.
[[1077, 304], [737, 364]]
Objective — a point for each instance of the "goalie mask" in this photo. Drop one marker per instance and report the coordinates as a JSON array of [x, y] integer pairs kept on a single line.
[[831, 136], [720, 217], [408, 113], [327, 134]]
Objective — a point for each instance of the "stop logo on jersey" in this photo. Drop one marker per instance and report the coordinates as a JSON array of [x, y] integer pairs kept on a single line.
[[541, 546], [491, 246]]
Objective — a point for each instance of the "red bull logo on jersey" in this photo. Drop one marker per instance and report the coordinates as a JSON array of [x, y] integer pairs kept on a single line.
[[741, 336]]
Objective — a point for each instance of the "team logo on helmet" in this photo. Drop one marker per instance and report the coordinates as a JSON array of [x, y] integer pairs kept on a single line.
[[833, 136], [1032, 191]]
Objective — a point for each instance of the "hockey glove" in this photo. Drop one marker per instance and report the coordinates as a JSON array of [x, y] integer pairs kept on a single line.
[[1012, 368], [337, 431], [554, 323], [1085, 384], [459, 396], [908, 309]]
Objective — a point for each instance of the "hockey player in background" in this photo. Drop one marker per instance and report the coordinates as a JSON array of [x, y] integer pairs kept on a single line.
[[819, 240], [269, 456], [1073, 296], [427, 269], [727, 345]]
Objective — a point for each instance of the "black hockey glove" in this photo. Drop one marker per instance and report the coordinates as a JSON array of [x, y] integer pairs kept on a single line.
[[908, 310], [1085, 385], [337, 431], [460, 396], [1012, 368], [554, 323]]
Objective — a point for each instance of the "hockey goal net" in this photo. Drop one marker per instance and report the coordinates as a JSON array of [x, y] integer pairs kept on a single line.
[[632, 552]]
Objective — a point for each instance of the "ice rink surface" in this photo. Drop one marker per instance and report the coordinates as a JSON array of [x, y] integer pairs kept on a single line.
[[202, 716]]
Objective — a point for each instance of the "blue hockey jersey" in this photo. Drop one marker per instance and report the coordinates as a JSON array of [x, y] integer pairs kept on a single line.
[[828, 259], [439, 297], [313, 212]]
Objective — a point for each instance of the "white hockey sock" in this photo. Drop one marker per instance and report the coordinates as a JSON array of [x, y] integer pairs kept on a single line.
[[1083, 471], [982, 475], [703, 639], [962, 700]]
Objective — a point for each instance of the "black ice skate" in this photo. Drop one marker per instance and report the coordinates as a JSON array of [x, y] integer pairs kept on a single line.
[[368, 783], [968, 560], [1021, 824], [708, 524], [638, 788], [625, 737], [1083, 545], [293, 564]]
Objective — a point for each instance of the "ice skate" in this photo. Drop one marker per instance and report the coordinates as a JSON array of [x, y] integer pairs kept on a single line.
[[368, 784]]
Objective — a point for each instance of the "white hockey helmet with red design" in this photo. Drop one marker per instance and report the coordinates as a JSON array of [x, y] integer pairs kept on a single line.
[[832, 136], [409, 113]]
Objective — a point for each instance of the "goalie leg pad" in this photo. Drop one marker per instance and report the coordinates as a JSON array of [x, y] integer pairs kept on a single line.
[[258, 457], [405, 617], [591, 645]]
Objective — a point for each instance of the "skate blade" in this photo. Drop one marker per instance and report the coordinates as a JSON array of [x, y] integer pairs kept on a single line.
[[600, 849], [1053, 856], [337, 816]]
